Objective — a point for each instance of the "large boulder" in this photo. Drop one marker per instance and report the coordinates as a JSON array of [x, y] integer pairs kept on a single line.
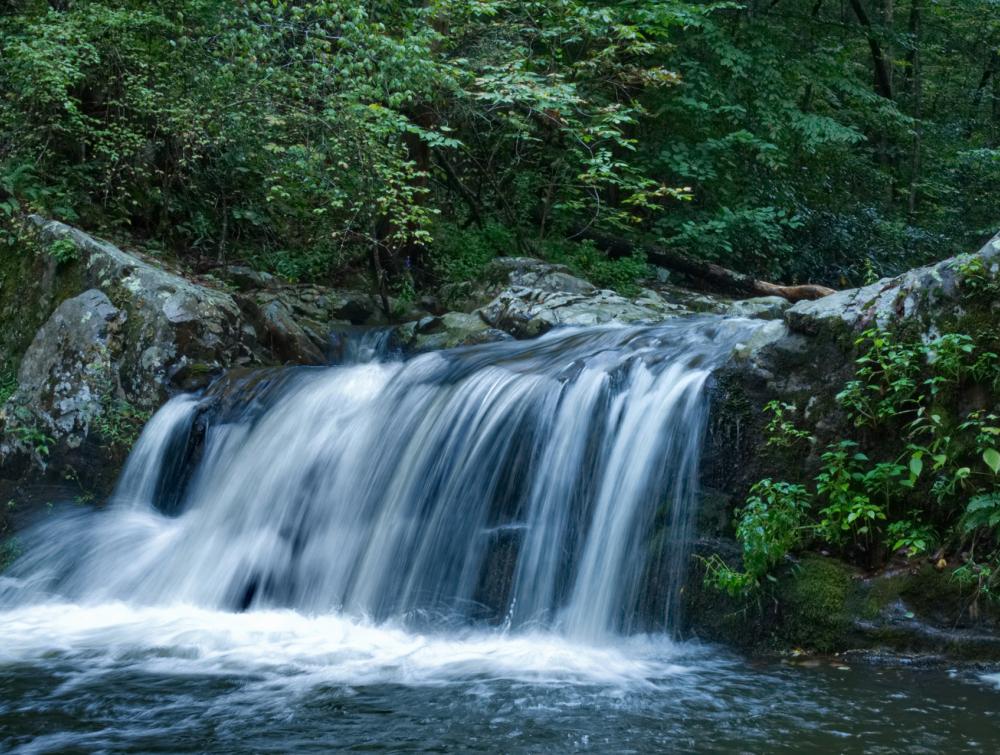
[[532, 297], [98, 338], [173, 328]]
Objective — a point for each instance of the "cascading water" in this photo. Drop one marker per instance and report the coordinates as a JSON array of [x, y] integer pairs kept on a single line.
[[512, 481], [465, 551]]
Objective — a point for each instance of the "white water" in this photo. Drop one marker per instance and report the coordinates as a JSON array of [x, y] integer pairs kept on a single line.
[[478, 550], [491, 510], [302, 651]]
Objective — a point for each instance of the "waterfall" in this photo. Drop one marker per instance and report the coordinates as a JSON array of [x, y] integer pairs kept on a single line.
[[530, 484]]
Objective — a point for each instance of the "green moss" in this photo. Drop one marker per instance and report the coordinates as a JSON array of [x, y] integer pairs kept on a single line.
[[937, 596], [31, 289], [879, 594], [817, 600]]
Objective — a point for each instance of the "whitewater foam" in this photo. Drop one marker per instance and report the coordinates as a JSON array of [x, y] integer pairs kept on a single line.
[[287, 645]]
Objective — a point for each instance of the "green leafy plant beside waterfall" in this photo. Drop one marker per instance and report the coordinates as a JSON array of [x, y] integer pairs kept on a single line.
[[920, 470], [120, 423], [768, 526]]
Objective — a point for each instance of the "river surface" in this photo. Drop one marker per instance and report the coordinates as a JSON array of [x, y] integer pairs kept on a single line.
[[474, 550], [113, 678]]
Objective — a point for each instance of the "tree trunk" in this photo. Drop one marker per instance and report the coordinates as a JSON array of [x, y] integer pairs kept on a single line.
[[882, 66], [718, 277], [916, 88]]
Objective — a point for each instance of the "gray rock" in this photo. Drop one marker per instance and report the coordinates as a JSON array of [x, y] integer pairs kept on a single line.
[[448, 331], [926, 293], [248, 279], [769, 333], [172, 322], [528, 312], [66, 377], [762, 307]]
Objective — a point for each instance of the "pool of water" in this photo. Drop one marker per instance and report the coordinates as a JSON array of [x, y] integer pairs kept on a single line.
[[120, 678]]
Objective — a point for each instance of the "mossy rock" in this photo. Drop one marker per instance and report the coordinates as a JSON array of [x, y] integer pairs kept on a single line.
[[817, 602], [931, 595], [33, 285]]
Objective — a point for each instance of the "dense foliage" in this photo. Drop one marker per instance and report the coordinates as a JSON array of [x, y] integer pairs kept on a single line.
[[917, 473], [411, 141]]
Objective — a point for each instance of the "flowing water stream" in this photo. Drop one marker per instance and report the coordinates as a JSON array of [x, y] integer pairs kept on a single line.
[[479, 549]]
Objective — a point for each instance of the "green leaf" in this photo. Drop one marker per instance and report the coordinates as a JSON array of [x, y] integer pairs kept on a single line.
[[992, 458], [916, 466]]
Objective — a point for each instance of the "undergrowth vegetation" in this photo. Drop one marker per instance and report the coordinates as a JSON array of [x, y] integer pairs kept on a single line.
[[918, 473]]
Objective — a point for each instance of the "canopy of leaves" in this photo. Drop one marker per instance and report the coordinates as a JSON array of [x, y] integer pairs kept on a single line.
[[319, 138]]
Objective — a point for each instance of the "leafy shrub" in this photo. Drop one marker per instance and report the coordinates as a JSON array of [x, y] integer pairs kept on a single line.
[[942, 474], [8, 384], [769, 525], [583, 258], [63, 250], [462, 254]]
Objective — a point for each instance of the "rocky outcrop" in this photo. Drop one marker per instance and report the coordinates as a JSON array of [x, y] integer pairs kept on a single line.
[[116, 335], [805, 357], [804, 360], [530, 297], [927, 296], [170, 325], [100, 337], [527, 312], [447, 331], [819, 604], [292, 324]]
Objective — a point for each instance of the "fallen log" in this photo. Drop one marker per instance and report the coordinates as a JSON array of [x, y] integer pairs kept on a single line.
[[721, 278]]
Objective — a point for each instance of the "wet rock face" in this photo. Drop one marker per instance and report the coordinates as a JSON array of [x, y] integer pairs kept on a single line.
[[447, 331], [67, 371], [292, 323]]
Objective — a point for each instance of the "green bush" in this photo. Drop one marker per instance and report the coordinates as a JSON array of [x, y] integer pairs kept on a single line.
[[935, 479]]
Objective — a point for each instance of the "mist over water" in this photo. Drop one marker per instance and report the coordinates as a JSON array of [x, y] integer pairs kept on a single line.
[[307, 558]]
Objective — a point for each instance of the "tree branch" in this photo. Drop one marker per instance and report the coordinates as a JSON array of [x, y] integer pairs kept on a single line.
[[718, 277]]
